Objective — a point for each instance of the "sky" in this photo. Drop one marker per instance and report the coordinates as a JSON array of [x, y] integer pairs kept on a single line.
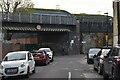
[[77, 6]]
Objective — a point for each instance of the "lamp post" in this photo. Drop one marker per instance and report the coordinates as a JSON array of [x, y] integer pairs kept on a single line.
[[107, 29]]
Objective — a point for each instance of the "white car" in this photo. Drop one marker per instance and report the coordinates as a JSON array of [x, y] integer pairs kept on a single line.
[[49, 52], [17, 63]]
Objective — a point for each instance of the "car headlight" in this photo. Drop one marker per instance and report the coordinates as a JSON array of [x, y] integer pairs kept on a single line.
[[23, 64]]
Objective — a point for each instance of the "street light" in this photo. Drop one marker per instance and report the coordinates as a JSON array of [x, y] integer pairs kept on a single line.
[[107, 29]]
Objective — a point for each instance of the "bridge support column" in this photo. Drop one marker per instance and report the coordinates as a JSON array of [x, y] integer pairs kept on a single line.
[[77, 40], [116, 23]]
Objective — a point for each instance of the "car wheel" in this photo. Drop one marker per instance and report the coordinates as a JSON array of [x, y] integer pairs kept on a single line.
[[28, 73], [33, 70], [88, 62], [51, 60]]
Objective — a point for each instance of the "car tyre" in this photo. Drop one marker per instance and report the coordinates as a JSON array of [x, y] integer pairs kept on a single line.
[[88, 62], [28, 73], [34, 70], [52, 59]]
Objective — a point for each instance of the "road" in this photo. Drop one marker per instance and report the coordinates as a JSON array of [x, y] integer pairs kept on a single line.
[[68, 68]]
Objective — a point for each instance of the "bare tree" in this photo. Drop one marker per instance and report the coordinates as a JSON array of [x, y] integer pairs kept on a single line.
[[13, 5]]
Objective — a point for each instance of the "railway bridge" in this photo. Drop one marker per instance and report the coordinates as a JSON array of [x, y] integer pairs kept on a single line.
[[67, 32]]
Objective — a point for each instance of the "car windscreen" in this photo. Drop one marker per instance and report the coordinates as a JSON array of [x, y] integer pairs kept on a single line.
[[15, 57], [105, 51]]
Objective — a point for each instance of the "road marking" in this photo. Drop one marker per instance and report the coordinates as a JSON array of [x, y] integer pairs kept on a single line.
[[90, 75], [69, 76], [76, 69], [90, 68], [65, 68]]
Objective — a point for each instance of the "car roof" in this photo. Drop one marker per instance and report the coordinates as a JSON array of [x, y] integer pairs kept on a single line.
[[18, 52], [43, 48]]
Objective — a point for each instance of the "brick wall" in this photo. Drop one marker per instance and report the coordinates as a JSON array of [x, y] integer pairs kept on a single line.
[[5, 48]]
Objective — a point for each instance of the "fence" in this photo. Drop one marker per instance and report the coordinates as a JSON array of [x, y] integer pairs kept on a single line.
[[35, 18]]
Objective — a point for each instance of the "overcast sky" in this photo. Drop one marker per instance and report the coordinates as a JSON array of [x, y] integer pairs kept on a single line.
[[77, 6]]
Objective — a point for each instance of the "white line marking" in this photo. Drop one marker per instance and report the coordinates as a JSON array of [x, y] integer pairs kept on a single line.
[[76, 69], [69, 76]]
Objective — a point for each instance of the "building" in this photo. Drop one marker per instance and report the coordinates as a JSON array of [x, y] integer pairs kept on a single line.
[[116, 23]]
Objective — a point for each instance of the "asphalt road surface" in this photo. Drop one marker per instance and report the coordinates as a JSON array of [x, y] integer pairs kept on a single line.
[[66, 67]]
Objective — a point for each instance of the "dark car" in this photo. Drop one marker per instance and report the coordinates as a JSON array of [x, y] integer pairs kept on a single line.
[[112, 64], [40, 57], [98, 59]]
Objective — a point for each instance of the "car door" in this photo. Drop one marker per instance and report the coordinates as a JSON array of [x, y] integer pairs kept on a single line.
[[110, 61], [96, 59], [107, 62], [30, 61]]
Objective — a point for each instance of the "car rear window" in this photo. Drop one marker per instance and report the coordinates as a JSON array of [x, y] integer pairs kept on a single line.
[[34, 52], [45, 49], [105, 51], [94, 51]]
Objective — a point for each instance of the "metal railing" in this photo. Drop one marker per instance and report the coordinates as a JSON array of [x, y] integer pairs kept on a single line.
[[34, 18]]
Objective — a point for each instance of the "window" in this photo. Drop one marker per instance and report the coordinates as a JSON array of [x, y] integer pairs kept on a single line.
[[15, 57], [114, 52], [99, 53], [29, 56]]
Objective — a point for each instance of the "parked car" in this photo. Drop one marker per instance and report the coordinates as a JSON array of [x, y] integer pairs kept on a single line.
[[91, 53], [112, 64], [17, 63], [98, 59], [40, 57], [49, 52]]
